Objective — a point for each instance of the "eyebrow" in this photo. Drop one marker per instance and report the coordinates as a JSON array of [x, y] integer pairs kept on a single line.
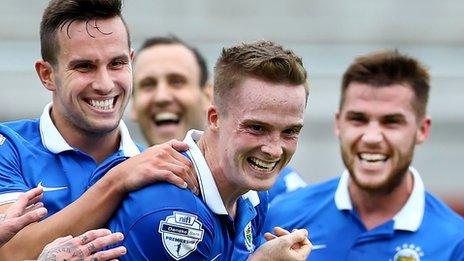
[[252, 121], [73, 63]]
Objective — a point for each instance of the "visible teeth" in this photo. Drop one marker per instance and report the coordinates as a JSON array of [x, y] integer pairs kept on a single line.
[[259, 164], [103, 105], [373, 157], [166, 116]]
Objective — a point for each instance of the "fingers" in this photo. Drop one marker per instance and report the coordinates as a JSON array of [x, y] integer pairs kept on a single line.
[[177, 163], [269, 236], [92, 235], [178, 145], [278, 231], [87, 246], [186, 175], [33, 193], [34, 215], [25, 199], [299, 235], [110, 254], [102, 242]]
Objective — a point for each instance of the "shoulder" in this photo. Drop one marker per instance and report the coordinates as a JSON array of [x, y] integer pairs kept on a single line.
[[24, 128], [436, 211], [311, 193], [158, 219], [291, 207], [287, 180], [24, 132], [161, 197]]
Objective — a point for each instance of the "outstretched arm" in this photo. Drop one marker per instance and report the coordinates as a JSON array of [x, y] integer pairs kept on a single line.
[[94, 208]]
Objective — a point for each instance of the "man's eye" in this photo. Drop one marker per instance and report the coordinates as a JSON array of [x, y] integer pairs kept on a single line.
[[292, 131], [118, 64], [177, 81], [357, 119], [84, 67], [148, 83], [257, 128]]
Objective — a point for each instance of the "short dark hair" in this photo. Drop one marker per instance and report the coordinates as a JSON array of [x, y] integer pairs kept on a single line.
[[385, 68], [61, 12], [172, 39], [261, 59]]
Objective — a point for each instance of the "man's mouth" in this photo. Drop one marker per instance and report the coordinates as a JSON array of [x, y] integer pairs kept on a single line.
[[103, 105], [166, 118], [372, 157], [261, 165]]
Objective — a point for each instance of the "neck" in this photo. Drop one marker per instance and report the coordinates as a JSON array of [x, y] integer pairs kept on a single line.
[[375, 209], [98, 146], [229, 191]]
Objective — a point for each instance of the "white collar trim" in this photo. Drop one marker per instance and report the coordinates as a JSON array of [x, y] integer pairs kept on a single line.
[[209, 190], [54, 142], [410, 215], [51, 137]]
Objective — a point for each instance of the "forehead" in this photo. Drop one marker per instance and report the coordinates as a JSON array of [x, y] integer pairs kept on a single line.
[[86, 38], [396, 98], [255, 98], [165, 58]]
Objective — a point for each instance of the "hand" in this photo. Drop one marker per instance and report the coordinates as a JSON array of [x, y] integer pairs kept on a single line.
[[84, 247], [162, 162], [26, 210], [284, 246]]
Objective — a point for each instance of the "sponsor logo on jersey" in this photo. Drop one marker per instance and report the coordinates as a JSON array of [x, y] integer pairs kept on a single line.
[[408, 252], [248, 233], [2, 139], [181, 233]]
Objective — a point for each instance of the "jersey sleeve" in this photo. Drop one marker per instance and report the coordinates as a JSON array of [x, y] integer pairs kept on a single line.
[[170, 235], [12, 183]]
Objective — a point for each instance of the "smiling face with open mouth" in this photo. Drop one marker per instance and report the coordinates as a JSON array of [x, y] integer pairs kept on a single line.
[[378, 129], [168, 99], [258, 133], [92, 80]]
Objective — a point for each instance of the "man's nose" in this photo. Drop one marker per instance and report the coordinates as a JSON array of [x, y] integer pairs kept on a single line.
[[103, 82]]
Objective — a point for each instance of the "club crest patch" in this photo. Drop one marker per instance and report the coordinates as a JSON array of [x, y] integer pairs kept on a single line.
[[181, 233], [248, 233], [2, 139], [408, 252]]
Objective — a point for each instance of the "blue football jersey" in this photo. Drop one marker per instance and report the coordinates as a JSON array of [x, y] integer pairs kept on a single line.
[[287, 181], [34, 154], [165, 222], [424, 229]]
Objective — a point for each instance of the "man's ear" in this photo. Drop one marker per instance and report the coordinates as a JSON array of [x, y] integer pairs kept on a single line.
[[132, 54], [424, 129], [45, 72], [213, 117]]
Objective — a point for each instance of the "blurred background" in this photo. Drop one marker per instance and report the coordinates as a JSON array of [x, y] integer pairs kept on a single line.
[[327, 34]]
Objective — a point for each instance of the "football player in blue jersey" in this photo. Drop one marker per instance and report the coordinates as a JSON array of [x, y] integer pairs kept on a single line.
[[378, 208], [86, 64], [252, 130], [172, 93]]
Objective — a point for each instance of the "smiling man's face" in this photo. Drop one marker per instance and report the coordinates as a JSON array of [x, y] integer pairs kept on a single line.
[[168, 99]]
